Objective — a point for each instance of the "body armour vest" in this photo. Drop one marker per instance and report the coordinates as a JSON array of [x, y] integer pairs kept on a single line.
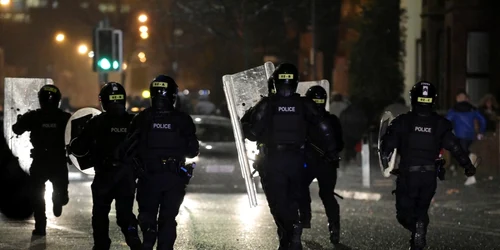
[[287, 121], [421, 145], [161, 136], [110, 132], [48, 130]]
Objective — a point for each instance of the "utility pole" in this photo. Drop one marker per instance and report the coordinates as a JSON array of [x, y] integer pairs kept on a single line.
[[313, 32]]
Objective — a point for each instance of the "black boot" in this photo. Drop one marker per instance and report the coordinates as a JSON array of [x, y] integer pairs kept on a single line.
[[296, 241], [305, 219], [58, 201], [334, 228], [40, 228], [132, 238], [149, 239], [419, 237]]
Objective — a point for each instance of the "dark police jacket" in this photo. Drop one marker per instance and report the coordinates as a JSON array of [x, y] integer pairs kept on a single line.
[[47, 127], [101, 137], [156, 135], [277, 120], [419, 139], [313, 156]]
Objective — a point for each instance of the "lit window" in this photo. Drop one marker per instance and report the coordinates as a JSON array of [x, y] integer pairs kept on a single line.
[[125, 8], [111, 8], [102, 7]]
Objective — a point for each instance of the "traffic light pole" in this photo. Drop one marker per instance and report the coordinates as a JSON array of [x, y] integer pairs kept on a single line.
[[103, 76]]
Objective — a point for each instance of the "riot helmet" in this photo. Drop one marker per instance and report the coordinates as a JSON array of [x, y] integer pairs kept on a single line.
[[113, 97], [284, 80], [49, 97], [318, 95], [163, 91], [423, 95]]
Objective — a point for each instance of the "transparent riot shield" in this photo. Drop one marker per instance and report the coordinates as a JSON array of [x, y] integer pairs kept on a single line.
[[386, 166], [20, 96], [243, 90], [304, 86], [73, 129]]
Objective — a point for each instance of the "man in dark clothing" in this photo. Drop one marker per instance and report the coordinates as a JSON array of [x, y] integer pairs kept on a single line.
[[281, 122], [101, 138], [47, 126], [324, 171], [160, 138], [419, 136]]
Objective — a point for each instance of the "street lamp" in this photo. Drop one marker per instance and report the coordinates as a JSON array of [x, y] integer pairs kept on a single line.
[[142, 18], [141, 55], [60, 37], [146, 94], [4, 2], [144, 35], [143, 60], [124, 66], [143, 29], [91, 54], [82, 49]]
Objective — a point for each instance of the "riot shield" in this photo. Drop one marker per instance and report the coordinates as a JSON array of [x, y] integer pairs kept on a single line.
[[386, 167], [243, 90], [20, 96], [73, 128], [304, 86]]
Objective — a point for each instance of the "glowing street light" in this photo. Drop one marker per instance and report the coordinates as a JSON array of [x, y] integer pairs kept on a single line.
[[91, 54], [142, 18], [143, 29], [60, 37], [4, 2], [144, 35], [143, 60], [146, 94], [124, 66], [141, 55], [82, 49]]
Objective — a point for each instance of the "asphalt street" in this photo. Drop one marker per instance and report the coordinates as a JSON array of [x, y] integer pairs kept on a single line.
[[212, 218]]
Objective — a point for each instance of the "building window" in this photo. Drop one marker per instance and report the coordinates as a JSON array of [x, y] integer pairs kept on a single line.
[[478, 49], [103, 7], [125, 8], [36, 3], [418, 65]]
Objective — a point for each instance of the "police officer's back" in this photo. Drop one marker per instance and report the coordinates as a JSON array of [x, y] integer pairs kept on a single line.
[[47, 126], [419, 136], [164, 138], [281, 122], [101, 138]]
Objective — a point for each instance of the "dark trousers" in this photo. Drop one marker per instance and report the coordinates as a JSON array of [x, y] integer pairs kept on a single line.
[[163, 193], [465, 144], [327, 179], [41, 171], [414, 192], [105, 189], [281, 182]]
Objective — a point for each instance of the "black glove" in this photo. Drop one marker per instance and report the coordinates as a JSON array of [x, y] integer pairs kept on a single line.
[[332, 157], [470, 171]]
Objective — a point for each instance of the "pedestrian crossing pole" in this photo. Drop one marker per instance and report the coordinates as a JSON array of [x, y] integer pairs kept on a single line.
[[365, 162]]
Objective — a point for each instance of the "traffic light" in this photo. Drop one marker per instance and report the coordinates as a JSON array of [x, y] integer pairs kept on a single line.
[[108, 50]]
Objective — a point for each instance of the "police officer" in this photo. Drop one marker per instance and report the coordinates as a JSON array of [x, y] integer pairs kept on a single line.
[[100, 138], [281, 122], [164, 138], [419, 136], [325, 172], [47, 126]]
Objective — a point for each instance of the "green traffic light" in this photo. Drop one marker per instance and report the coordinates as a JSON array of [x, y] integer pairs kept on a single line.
[[104, 64], [115, 65]]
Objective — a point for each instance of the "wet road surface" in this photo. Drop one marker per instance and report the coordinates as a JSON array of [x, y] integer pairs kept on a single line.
[[212, 218]]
